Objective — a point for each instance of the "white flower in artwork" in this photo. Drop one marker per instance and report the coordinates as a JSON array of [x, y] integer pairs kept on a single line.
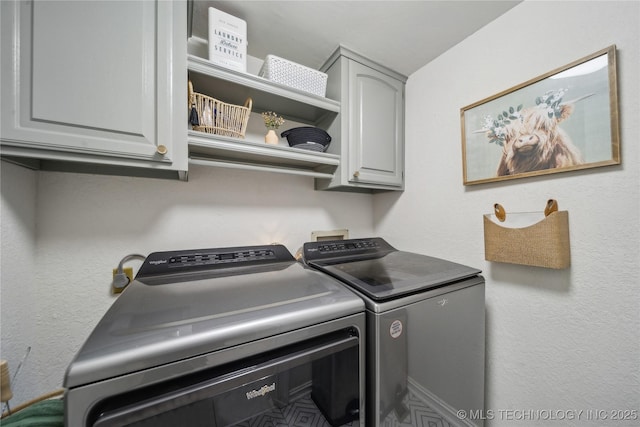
[[487, 122], [550, 102]]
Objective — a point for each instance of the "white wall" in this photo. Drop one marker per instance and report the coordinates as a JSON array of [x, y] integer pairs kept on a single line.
[[18, 289], [557, 340], [62, 234]]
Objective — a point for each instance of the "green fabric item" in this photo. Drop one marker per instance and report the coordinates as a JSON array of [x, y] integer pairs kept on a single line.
[[48, 413]]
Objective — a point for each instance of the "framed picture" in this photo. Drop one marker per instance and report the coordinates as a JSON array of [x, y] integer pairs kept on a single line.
[[561, 121]]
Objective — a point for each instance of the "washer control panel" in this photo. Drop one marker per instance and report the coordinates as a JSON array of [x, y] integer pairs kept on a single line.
[[208, 259]]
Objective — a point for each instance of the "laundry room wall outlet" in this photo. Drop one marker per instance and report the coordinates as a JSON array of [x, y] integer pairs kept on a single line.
[[318, 236], [126, 270]]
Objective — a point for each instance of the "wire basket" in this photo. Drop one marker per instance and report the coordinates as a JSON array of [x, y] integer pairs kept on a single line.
[[294, 75], [217, 117]]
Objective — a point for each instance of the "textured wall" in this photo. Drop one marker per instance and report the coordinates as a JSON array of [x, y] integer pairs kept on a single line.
[[557, 340], [56, 281], [17, 273]]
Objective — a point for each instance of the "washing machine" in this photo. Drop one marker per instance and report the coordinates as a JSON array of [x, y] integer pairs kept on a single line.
[[425, 331], [218, 337]]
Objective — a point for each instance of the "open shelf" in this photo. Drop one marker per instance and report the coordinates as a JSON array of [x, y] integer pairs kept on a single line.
[[235, 87], [221, 151]]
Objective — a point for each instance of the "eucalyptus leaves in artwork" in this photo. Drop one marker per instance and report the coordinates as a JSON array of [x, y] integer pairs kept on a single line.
[[497, 127], [550, 102]]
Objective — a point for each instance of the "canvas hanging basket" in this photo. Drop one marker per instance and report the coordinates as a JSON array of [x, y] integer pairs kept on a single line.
[[538, 239]]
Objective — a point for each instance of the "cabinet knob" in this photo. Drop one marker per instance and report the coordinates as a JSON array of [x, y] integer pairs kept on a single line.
[[356, 174], [162, 150]]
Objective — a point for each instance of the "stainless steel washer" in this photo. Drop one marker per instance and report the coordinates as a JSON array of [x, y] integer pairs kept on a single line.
[[221, 337], [425, 330]]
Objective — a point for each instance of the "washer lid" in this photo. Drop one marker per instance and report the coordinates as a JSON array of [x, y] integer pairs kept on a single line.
[[381, 272], [163, 317]]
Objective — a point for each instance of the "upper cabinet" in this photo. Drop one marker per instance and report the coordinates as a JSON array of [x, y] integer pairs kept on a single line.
[[95, 85], [101, 87], [368, 134]]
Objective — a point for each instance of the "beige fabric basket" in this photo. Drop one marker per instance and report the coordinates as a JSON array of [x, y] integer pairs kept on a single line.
[[543, 244], [219, 118]]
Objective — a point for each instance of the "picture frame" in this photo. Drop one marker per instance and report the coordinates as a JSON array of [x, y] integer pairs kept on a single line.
[[564, 120]]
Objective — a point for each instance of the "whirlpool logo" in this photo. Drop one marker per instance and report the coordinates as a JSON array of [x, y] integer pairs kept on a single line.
[[261, 392]]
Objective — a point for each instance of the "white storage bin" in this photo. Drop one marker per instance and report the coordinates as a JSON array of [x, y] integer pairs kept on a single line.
[[279, 70]]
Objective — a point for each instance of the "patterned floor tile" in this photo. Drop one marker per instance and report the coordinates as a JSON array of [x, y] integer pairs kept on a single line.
[[420, 415], [301, 413]]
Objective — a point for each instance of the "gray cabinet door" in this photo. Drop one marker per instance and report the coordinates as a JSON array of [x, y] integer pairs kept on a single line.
[[93, 80], [376, 106]]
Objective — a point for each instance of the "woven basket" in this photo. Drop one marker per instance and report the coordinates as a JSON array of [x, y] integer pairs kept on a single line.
[[543, 244], [217, 117]]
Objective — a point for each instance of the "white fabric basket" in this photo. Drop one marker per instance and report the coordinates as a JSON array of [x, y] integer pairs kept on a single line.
[[279, 70]]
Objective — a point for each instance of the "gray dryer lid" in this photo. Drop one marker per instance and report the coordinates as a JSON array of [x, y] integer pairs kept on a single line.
[[187, 303]]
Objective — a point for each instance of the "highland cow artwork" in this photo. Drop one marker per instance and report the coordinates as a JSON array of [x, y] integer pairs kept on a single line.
[[562, 121]]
